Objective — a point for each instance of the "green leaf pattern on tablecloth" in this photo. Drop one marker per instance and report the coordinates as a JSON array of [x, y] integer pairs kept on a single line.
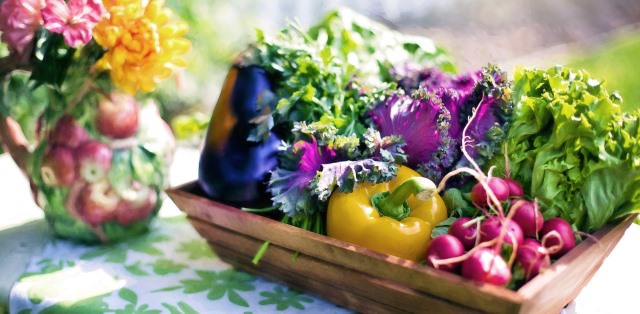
[[283, 299], [167, 266], [47, 265], [132, 307], [196, 248], [90, 305], [118, 253], [136, 269], [218, 284], [182, 308], [170, 270]]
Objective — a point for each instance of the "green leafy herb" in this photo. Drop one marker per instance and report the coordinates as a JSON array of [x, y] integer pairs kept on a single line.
[[442, 227], [337, 70]]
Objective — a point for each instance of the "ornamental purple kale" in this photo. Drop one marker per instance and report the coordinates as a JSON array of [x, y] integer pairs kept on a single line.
[[424, 123], [411, 77], [491, 98], [431, 119]]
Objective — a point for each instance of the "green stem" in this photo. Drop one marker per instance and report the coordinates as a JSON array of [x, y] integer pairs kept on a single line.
[[318, 223], [261, 251], [394, 204], [294, 256], [259, 210]]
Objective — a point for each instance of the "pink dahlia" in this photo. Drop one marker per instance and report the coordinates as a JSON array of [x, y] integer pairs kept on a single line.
[[19, 20], [75, 19]]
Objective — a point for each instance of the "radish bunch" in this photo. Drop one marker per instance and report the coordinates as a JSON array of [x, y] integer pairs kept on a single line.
[[474, 247]]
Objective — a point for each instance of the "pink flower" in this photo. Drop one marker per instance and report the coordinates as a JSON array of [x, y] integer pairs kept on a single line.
[[74, 20], [19, 20]]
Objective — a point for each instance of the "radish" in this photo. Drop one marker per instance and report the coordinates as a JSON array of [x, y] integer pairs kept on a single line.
[[466, 235], [491, 227], [499, 187], [515, 189], [486, 265], [528, 217], [443, 247], [533, 257], [557, 236]]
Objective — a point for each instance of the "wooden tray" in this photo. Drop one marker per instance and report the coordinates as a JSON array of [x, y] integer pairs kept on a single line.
[[371, 282]]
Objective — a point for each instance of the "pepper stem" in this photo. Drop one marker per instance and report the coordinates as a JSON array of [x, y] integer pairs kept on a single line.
[[394, 204]]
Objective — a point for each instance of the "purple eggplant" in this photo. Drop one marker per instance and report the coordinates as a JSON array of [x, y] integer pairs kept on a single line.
[[232, 168]]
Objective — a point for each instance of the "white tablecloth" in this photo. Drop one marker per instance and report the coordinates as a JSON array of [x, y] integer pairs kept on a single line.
[[163, 281]]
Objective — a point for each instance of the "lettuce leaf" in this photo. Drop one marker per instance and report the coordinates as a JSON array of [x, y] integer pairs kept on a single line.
[[572, 147]]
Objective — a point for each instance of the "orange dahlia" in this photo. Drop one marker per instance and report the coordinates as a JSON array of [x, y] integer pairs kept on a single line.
[[144, 43]]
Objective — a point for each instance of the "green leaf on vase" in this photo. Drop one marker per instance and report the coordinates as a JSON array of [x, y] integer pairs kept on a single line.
[[143, 166], [52, 58]]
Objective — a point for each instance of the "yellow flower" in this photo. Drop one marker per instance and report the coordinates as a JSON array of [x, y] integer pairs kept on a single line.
[[144, 45]]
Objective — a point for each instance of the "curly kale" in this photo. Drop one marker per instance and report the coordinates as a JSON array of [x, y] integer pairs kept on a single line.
[[319, 161]]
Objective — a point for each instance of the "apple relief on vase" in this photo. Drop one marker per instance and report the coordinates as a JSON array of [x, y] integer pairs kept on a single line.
[[98, 175]]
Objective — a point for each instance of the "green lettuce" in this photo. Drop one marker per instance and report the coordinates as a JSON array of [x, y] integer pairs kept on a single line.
[[573, 148]]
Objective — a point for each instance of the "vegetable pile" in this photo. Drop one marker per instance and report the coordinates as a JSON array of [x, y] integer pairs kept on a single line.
[[352, 130]]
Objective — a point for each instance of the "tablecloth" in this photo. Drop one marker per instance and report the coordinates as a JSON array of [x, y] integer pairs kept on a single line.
[[169, 270], [130, 277]]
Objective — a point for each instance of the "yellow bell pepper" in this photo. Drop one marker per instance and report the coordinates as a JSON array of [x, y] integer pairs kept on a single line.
[[394, 217]]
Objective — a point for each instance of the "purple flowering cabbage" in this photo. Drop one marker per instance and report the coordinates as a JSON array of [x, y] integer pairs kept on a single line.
[[432, 109], [416, 118], [411, 77], [491, 100], [298, 166]]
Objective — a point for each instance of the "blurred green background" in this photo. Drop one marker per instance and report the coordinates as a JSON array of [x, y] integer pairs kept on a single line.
[[618, 62], [600, 36]]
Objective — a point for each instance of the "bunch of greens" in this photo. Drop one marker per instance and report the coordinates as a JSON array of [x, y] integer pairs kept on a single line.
[[573, 148], [320, 160], [335, 71]]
